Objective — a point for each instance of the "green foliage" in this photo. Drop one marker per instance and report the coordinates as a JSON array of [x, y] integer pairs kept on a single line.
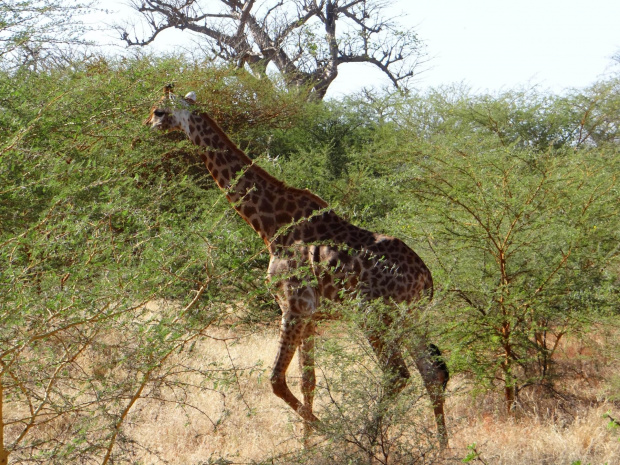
[[473, 454], [117, 253], [334, 129], [343, 152], [526, 119], [522, 237], [613, 425], [112, 245]]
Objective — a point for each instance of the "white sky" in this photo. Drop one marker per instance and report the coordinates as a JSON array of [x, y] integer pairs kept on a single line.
[[491, 45]]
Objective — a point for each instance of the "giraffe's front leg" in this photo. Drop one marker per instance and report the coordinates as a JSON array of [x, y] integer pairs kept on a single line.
[[297, 305]]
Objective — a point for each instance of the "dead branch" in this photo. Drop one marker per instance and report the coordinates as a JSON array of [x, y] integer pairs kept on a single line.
[[306, 40]]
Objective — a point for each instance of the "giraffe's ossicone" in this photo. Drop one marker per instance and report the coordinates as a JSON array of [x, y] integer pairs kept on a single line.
[[314, 254]]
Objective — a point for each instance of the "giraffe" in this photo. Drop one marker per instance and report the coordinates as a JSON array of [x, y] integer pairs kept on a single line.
[[314, 254]]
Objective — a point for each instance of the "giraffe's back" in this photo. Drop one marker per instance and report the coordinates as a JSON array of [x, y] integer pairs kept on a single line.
[[346, 259]]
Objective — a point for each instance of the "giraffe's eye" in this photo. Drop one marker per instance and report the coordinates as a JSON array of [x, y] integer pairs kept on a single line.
[[159, 113]]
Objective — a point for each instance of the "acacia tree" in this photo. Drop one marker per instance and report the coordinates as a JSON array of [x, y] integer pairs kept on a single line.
[[104, 291], [306, 40], [523, 235]]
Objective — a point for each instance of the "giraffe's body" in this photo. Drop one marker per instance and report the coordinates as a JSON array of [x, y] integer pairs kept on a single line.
[[314, 254]]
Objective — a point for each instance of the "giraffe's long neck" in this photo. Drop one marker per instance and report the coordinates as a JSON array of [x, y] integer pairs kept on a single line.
[[263, 201]]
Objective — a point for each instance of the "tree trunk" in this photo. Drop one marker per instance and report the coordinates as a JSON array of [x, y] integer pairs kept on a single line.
[[509, 392], [4, 454]]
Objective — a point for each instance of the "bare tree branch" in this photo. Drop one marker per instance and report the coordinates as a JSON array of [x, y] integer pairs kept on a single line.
[[306, 40], [37, 34]]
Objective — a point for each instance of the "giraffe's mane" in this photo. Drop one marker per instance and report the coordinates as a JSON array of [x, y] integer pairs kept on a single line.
[[278, 184]]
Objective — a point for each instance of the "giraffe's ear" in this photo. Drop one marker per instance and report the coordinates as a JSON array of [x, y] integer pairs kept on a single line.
[[190, 97]]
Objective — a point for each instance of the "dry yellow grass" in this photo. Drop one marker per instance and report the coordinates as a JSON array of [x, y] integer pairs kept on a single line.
[[245, 423], [241, 422]]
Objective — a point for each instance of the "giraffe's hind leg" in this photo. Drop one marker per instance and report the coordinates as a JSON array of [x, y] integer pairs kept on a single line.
[[308, 376], [395, 370], [392, 363], [435, 375], [306, 365]]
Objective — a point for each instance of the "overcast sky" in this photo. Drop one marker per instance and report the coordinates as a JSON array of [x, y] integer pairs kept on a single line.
[[493, 45]]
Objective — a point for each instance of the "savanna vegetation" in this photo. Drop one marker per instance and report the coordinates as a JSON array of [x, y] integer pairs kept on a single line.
[[136, 325]]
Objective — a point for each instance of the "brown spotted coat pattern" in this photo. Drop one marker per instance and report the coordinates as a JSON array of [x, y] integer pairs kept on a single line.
[[314, 254]]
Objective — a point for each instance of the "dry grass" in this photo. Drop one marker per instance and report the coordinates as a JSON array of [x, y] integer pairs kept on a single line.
[[560, 435], [244, 423], [189, 419]]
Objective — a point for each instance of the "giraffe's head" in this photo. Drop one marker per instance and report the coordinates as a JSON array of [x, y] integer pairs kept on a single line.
[[171, 112]]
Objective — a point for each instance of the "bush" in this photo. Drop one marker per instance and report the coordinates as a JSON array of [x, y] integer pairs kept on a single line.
[[521, 238], [100, 218]]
